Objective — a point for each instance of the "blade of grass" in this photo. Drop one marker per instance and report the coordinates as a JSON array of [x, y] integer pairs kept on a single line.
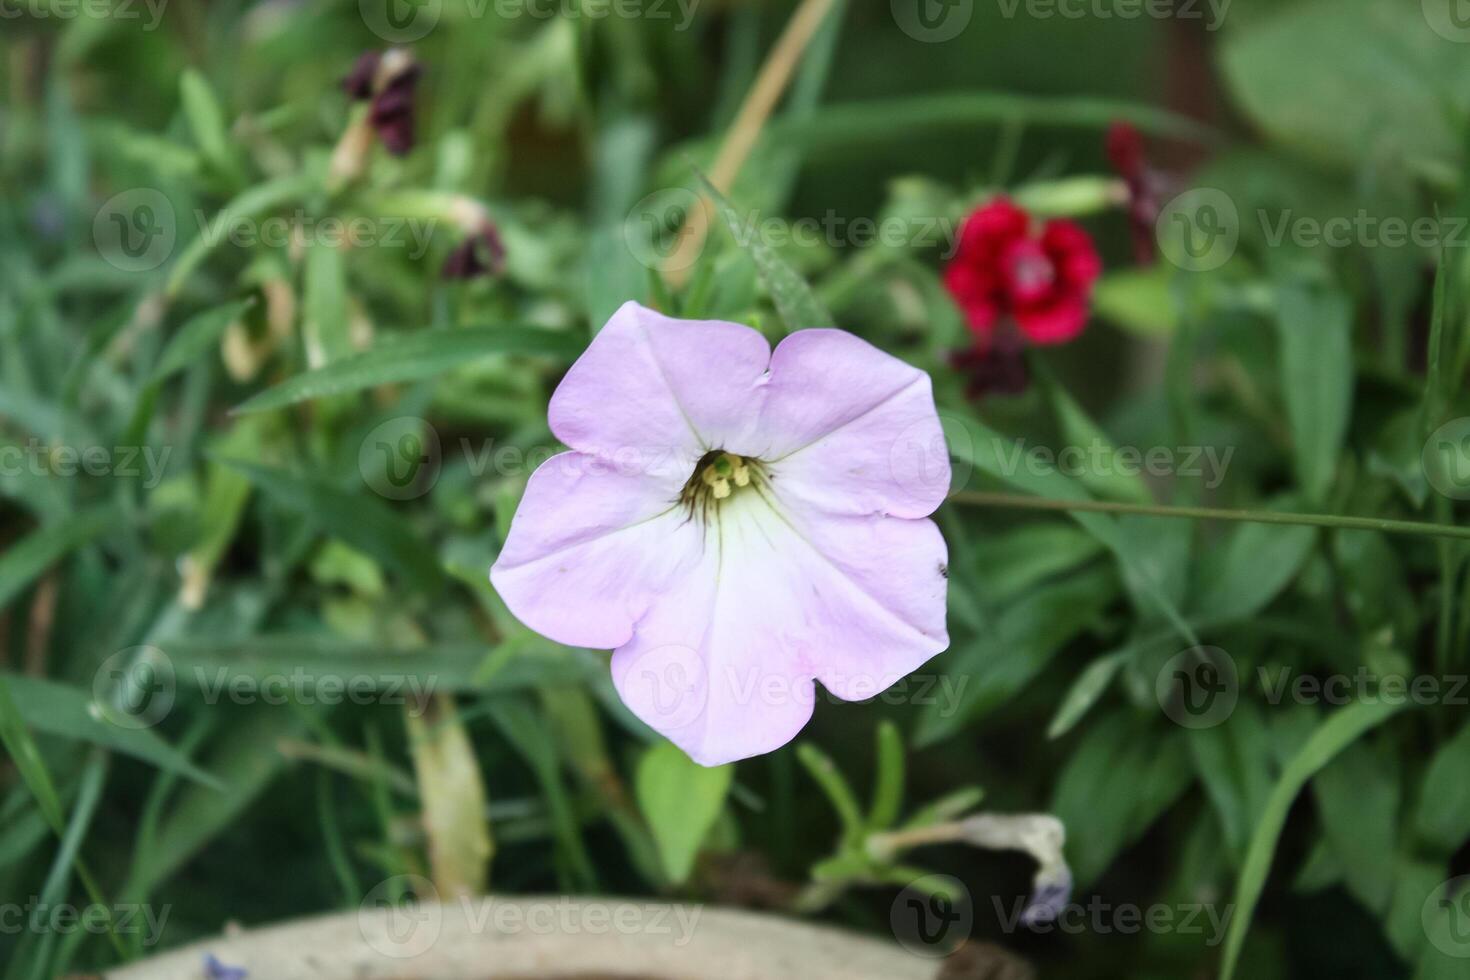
[[364, 522], [413, 358], [39, 550], [793, 296], [852, 125], [527, 732], [89, 794], [196, 337], [27, 759], [822, 769], [1331, 737], [245, 764], [888, 786], [69, 712]]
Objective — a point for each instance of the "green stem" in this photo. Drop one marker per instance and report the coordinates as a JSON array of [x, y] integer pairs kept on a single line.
[[1023, 502]]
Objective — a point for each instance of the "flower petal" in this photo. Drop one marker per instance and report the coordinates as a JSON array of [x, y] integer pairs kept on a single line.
[[894, 576], [591, 549], [851, 429], [1055, 323], [724, 666], [659, 388]]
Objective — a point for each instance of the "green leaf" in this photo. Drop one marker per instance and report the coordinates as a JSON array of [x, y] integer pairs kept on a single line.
[[216, 662], [206, 120], [245, 763], [1443, 816], [1003, 459], [249, 204], [999, 663], [1008, 562], [1080, 431], [196, 337], [413, 357], [1085, 692], [69, 712], [526, 729], [1432, 406], [822, 769], [625, 144], [1342, 729], [364, 522], [1446, 924], [947, 807], [1138, 300], [1317, 379], [888, 786], [23, 561], [1256, 562], [27, 758], [793, 296], [1345, 81], [325, 323], [1358, 800], [681, 800], [1415, 881], [1235, 763], [1100, 820]]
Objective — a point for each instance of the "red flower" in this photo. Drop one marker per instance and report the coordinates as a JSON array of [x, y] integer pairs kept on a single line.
[[1040, 279]]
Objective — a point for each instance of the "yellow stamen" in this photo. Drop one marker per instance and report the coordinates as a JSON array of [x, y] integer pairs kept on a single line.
[[717, 477]]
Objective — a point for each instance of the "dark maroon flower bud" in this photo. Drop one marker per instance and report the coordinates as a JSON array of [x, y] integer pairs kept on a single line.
[[1125, 151], [393, 111], [390, 81], [481, 254], [998, 370], [359, 82]]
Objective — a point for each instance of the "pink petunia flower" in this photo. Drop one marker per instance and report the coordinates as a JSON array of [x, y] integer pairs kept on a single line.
[[735, 523], [1006, 269]]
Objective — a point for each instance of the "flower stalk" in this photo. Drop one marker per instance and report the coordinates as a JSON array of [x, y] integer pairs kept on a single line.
[[1022, 502]]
